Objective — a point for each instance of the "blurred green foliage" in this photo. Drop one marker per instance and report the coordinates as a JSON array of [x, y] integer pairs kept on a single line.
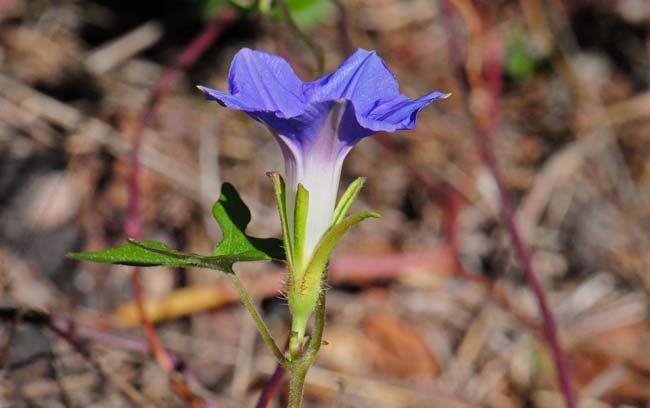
[[519, 63], [211, 8], [306, 13]]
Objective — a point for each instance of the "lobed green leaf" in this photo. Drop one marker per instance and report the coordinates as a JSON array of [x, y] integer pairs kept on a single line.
[[233, 217]]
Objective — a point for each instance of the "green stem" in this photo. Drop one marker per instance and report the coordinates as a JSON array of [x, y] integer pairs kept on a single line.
[[294, 342], [296, 385], [261, 326], [301, 366], [315, 49]]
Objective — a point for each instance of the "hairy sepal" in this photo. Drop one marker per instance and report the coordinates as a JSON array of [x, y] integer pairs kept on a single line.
[[304, 292]]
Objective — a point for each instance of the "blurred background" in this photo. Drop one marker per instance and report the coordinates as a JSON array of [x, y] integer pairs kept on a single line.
[[428, 306]]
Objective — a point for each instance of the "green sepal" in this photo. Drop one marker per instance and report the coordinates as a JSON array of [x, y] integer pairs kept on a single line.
[[233, 217], [299, 236], [304, 295], [281, 198], [346, 200]]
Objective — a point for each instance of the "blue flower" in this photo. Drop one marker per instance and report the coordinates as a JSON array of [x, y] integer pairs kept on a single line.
[[317, 123]]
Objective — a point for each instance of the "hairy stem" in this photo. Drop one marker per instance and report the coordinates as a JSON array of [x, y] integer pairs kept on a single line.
[[272, 386], [296, 385], [301, 366], [315, 49], [261, 326]]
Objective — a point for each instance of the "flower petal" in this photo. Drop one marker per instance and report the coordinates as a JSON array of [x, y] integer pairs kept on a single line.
[[363, 79], [266, 87], [400, 113], [373, 92], [261, 82]]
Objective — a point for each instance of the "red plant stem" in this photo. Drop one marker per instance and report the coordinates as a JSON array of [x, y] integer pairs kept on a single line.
[[188, 57], [493, 75], [84, 331], [447, 256], [71, 328], [76, 331], [275, 382], [550, 326], [272, 386], [132, 224], [484, 120]]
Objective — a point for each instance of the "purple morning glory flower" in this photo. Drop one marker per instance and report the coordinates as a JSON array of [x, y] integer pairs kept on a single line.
[[317, 123]]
